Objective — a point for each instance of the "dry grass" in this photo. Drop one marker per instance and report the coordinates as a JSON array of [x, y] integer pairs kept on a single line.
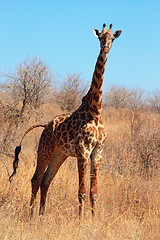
[[128, 206]]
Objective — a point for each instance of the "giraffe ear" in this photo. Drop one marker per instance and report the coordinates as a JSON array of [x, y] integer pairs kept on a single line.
[[117, 33], [96, 32]]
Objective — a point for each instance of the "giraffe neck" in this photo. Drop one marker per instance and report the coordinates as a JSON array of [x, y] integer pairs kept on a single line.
[[94, 95]]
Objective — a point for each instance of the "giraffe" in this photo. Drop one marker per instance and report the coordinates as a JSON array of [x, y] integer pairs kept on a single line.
[[79, 135]]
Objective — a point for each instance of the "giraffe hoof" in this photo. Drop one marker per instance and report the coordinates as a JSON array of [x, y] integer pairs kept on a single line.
[[94, 197], [82, 196]]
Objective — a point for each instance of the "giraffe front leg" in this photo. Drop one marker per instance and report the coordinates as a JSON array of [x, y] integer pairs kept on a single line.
[[96, 158], [82, 167]]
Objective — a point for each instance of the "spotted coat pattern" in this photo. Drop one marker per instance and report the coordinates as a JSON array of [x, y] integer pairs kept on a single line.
[[80, 135]]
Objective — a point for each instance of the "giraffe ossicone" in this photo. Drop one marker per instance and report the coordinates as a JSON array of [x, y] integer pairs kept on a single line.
[[80, 135]]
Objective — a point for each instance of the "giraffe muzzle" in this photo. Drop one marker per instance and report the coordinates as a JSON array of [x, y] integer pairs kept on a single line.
[[106, 49]]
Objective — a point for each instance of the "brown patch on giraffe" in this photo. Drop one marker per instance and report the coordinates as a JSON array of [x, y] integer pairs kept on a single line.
[[100, 66], [65, 139], [64, 135], [58, 135], [71, 135], [96, 121], [87, 140], [98, 76], [96, 96], [101, 59], [67, 146], [83, 115], [96, 134], [79, 122], [84, 134], [102, 71], [91, 109], [74, 123], [76, 133], [87, 107], [94, 83], [100, 92], [94, 109], [69, 125], [89, 116], [100, 121], [61, 142], [62, 128], [74, 117], [100, 136]]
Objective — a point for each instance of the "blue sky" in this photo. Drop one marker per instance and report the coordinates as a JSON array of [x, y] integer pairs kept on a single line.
[[60, 32]]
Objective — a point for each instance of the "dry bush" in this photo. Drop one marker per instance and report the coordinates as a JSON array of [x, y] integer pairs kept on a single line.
[[121, 97], [71, 92], [12, 129], [133, 143], [145, 135], [154, 100], [30, 83], [21, 96]]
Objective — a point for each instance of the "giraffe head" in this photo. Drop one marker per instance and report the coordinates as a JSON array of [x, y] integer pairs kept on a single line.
[[106, 37]]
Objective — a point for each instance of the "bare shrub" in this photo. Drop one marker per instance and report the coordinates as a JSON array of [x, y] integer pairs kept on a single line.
[[29, 84], [21, 95], [119, 156], [136, 99], [133, 142], [145, 139], [154, 100], [116, 97], [71, 92], [9, 120], [121, 97]]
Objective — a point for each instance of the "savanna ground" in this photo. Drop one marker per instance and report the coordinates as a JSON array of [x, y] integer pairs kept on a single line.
[[128, 204]]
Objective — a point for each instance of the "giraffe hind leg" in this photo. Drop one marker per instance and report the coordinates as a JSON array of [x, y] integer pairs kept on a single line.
[[37, 179], [56, 161]]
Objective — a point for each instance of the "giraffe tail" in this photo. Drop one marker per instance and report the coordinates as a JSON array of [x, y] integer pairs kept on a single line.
[[18, 149]]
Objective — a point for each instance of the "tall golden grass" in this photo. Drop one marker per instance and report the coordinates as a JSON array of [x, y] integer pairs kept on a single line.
[[128, 204]]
